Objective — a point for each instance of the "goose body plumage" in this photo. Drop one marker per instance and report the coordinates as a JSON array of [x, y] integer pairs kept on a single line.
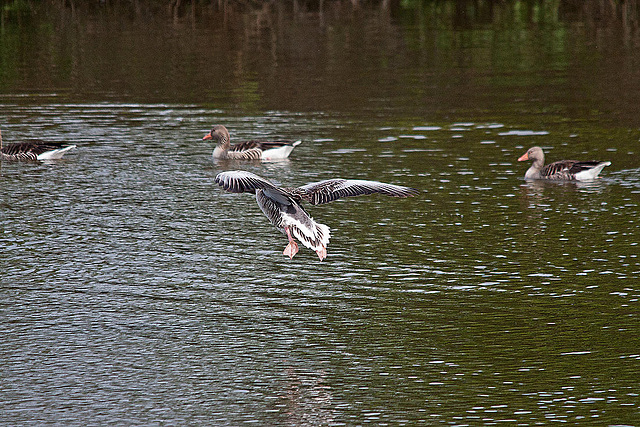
[[248, 150], [566, 170], [34, 149], [283, 205]]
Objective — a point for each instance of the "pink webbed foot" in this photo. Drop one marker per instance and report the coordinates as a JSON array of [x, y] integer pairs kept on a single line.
[[291, 249], [322, 253]]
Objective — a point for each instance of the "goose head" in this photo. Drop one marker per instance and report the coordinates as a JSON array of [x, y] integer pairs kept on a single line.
[[218, 133], [534, 153]]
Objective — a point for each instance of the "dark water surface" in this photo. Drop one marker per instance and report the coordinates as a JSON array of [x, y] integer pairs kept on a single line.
[[134, 291]]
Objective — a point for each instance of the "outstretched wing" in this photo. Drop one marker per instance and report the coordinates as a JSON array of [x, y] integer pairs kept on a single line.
[[327, 191], [243, 182]]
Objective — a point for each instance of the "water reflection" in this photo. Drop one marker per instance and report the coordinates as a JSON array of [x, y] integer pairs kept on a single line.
[[488, 293], [380, 59], [133, 292], [308, 399], [536, 189]]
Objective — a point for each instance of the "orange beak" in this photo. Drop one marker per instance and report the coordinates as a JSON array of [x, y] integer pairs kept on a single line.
[[524, 157], [207, 136]]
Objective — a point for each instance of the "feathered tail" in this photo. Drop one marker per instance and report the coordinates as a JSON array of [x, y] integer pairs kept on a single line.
[[55, 154], [311, 234]]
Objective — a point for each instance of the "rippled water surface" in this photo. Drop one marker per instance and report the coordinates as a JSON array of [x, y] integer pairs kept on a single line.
[[135, 291]]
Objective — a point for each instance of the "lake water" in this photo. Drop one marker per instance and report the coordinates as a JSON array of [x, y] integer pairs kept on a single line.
[[135, 291]]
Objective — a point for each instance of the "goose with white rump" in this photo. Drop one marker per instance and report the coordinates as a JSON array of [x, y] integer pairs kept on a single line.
[[283, 205], [33, 149], [248, 150], [567, 170]]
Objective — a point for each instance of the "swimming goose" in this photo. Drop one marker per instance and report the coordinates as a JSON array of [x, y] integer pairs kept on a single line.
[[570, 170], [282, 205], [248, 150], [34, 149]]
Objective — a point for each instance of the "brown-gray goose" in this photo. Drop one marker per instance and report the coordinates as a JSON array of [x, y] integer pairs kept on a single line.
[[282, 205], [248, 150], [33, 149], [568, 170]]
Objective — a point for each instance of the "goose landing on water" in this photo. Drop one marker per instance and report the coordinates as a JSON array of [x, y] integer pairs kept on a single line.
[[33, 150], [282, 205], [568, 170], [248, 150]]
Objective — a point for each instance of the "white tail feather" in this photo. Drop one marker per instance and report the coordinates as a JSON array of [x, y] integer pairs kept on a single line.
[[592, 173], [312, 235], [55, 154], [280, 152]]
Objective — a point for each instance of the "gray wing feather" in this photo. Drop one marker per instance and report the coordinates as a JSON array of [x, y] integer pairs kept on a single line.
[[242, 182], [250, 154], [277, 195], [327, 191], [270, 208], [561, 167]]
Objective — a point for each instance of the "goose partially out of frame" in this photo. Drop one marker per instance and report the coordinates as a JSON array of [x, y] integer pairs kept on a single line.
[[33, 149]]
